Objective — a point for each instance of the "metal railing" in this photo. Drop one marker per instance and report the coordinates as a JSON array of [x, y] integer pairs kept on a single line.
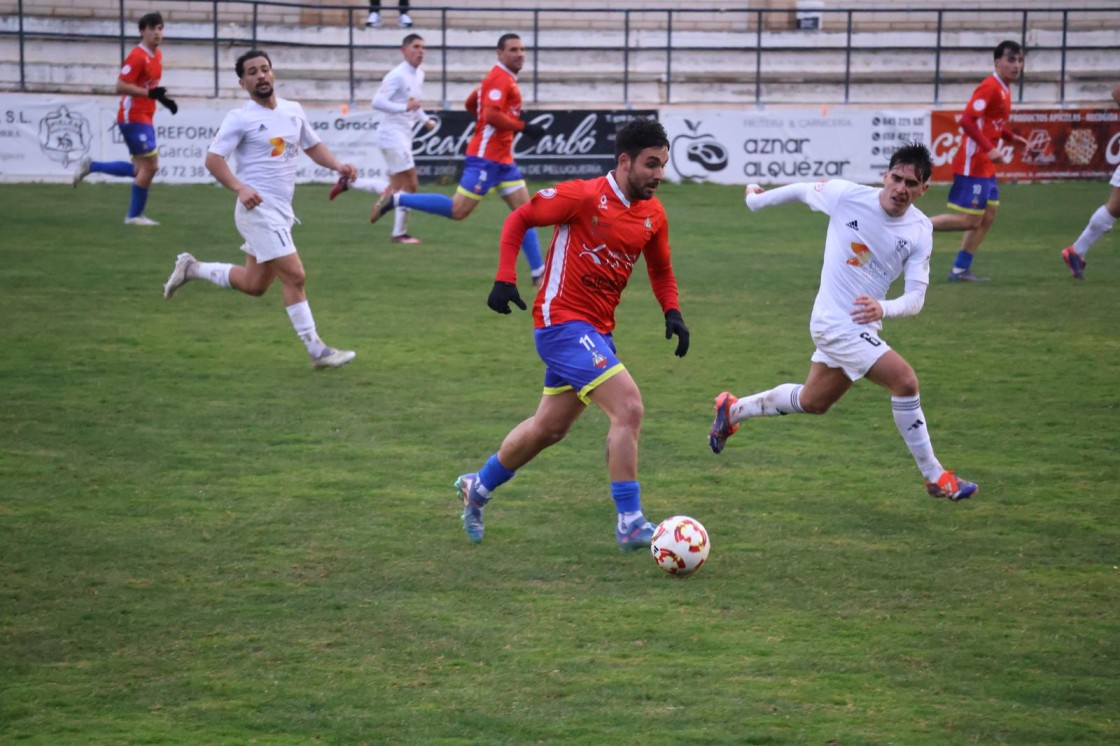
[[667, 37]]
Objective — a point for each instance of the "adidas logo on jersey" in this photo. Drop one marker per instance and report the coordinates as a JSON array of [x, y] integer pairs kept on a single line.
[[854, 225], [262, 128]]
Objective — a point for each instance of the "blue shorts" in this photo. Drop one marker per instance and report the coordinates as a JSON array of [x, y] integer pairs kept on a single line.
[[576, 357], [140, 138], [480, 176], [972, 194]]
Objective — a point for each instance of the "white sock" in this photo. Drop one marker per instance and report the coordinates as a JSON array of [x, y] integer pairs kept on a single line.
[[783, 399], [377, 186], [304, 324], [400, 221], [215, 272], [625, 520], [911, 423], [1100, 224]]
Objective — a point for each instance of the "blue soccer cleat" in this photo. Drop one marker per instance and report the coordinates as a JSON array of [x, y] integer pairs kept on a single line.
[[951, 486], [473, 503], [635, 536], [1075, 263], [722, 427]]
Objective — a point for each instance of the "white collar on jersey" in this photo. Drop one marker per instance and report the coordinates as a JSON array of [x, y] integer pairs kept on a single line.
[[617, 192], [512, 74]]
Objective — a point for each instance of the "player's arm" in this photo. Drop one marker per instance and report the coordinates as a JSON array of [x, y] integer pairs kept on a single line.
[[322, 155], [663, 281], [557, 209], [217, 165], [471, 101], [971, 127], [820, 196], [383, 99], [916, 273]]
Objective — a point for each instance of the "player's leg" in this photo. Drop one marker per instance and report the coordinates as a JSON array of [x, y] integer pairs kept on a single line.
[[978, 198], [547, 426], [289, 271], [146, 167], [893, 373], [476, 181], [1101, 222], [124, 169], [404, 182], [515, 194]]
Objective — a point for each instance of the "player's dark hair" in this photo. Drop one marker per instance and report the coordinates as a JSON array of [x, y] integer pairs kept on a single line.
[[239, 67], [1007, 46], [917, 155], [639, 134], [150, 20], [504, 38], [411, 38]]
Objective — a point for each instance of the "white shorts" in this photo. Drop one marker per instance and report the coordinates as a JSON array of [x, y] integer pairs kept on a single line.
[[1115, 181], [267, 233], [852, 348], [398, 160]]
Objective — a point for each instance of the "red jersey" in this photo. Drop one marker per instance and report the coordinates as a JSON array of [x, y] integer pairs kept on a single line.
[[142, 68], [598, 239], [990, 106], [499, 90]]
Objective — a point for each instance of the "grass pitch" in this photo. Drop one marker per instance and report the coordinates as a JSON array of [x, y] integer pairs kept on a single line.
[[204, 541]]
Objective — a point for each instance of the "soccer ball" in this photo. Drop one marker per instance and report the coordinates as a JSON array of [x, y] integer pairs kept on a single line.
[[680, 545]]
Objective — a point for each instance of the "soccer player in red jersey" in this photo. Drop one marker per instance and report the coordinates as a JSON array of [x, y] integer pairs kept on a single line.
[[975, 194], [489, 161], [602, 228], [139, 87]]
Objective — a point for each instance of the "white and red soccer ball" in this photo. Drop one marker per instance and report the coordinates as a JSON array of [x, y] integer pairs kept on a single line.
[[680, 545]]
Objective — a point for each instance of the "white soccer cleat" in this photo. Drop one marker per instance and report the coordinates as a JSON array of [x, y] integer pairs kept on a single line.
[[332, 358], [83, 169], [140, 220], [179, 276]]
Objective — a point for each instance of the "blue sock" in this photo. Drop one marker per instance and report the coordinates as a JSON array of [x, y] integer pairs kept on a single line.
[[627, 496], [531, 247], [493, 475], [435, 204], [964, 260], [139, 199], [113, 168]]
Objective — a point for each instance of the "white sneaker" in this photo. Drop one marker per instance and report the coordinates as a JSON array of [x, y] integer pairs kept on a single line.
[[83, 170], [406, 21], [374, 20], [140, 220], [332, 358], [178, 276]]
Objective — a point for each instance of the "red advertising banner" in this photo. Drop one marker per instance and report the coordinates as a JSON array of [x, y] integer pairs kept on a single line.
[[1062, 144]]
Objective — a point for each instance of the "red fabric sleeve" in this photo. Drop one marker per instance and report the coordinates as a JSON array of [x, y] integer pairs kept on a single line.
[[494, 116], [471, 102], [660, 269], [1006, 134], [535, 213], [972, 128]]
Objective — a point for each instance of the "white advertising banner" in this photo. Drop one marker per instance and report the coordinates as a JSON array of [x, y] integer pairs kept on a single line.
[[786, 146], [43, 138]]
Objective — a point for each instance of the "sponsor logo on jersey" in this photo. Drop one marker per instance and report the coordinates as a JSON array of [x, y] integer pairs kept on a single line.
[[854, 225], [862, 255]]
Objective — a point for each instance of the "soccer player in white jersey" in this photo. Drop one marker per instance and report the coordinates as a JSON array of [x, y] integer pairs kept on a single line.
[[1100, 222], [874, 236], [399, 98], [266, 136]]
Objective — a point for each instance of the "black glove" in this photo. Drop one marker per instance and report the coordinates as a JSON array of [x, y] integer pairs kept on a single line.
[[533, 132], [504, 293], [157, 93], [674, 324], [170, 104]]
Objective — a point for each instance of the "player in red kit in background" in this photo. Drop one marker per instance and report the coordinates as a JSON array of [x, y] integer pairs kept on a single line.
[[602, 228], [975, 194], [139, 87]]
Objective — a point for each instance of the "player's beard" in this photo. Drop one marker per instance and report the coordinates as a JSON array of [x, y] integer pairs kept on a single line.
[[262, 91], [642, 189]]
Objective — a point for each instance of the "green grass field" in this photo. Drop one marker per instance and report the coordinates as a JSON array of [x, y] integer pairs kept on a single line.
[[204, 541]]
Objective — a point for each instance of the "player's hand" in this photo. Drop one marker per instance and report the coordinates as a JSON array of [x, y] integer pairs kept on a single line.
[[412, 105], [674, 324], [867, 310], [349, 171], [157, 93], [995, 155], [248, 196], [170, 104], [752, 189], [533, 132], [504, 293], [430, 124]]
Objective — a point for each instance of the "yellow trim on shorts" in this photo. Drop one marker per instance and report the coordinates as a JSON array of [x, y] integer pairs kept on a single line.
[[967, 210], [149, 154], [469, 194], [584, 394]]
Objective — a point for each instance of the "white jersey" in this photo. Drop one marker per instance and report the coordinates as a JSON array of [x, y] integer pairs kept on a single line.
[[399, 85], [267, 143], [865, 249]]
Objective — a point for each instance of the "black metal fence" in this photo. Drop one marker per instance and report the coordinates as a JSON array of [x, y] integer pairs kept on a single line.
[[852, 33]]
